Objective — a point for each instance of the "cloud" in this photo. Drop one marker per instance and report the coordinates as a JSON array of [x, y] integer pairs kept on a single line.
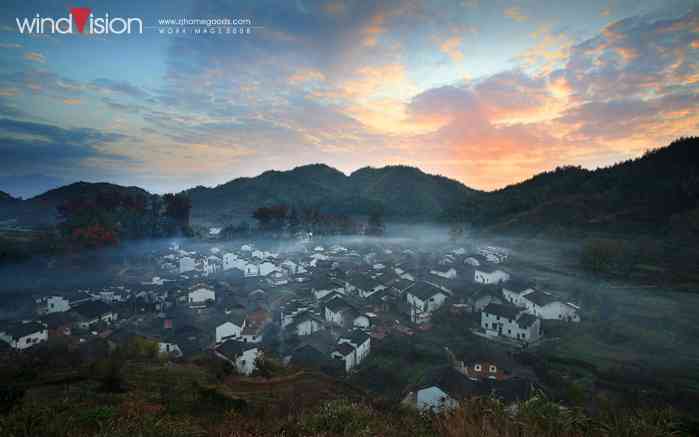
[[119, 87], [516, 14], [72, 101], [452, 48], [35, 57], [307, 75], [37, 147]]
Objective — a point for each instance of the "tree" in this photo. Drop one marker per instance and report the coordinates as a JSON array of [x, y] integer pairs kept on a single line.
[[271, 218], [375, 225], [178, 207]]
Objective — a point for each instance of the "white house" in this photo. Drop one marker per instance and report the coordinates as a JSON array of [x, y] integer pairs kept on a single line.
[[229, 261], [346, 353], [306, 324], [326, 288], [361, 321], [24, 335], [361, 343], [187, 264], [94, 312], [514, 290], [243, 356], [485, 275], [229, 330], [449, 274], [544, 305], [291, 310], [434, 399], [200, 295], [510, 321], [339, 312], [56, 304], [493, 254], [252, 333], [424, 298], [266, 268], [170, 349]]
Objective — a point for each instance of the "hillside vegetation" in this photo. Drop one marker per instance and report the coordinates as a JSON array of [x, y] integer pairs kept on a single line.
[[166, 399], [657, 193]]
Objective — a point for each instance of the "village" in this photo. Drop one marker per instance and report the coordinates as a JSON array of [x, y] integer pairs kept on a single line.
[[318, 304]]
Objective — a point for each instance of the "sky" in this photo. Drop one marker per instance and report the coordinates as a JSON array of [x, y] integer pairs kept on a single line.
[[486, 92]]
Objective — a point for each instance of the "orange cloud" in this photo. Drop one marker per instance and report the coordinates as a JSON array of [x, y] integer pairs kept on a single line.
[[335, 8], [35, 56], [549, 52], [516, 14], [71, 101], [308, 75], [371, 33], [452, 48]]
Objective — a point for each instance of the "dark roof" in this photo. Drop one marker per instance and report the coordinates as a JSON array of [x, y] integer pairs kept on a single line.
[[356, 336], [502, 310], [526, 320], [308, 356], [338, 304], [459, 386], [344, 349], [234, 348], [92, 309], [402, 284], [540, 298], [19, 330], [518, 285], [424, 291], [55, 320]]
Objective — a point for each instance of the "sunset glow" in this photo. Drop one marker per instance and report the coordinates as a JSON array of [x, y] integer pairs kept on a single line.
[[488, 93]]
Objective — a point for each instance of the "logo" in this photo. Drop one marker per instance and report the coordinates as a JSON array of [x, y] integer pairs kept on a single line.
[[85, 22]]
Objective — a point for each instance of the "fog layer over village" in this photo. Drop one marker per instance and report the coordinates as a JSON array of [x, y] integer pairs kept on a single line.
[[418, 315]]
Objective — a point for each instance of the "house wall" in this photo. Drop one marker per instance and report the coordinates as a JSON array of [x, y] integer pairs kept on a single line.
[[333, 317], [361, 322], [494, 277], [510, 328], [57, 304], [307, 327], [169, 349], [228, 330], [434, 399], [27, 341], [555, 311], [349, 360], [201, 295], [186, 264], [246, 362], [107, 318]]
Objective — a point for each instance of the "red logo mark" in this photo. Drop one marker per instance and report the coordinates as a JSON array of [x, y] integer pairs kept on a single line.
[[80, 15]]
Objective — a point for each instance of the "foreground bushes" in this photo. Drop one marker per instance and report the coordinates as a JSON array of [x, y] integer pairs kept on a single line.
[[478, 417]]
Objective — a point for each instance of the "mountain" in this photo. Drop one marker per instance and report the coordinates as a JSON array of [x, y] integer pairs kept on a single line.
[[655, 193], [30, 185], [401, 192], [658, 192], [4, 197], [41, 210]]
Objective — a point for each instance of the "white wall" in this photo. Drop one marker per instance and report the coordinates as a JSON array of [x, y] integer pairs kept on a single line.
[[57, 304], [228, 330]]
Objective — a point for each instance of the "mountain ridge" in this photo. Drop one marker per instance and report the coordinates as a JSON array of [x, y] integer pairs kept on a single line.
[[655, 192]]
